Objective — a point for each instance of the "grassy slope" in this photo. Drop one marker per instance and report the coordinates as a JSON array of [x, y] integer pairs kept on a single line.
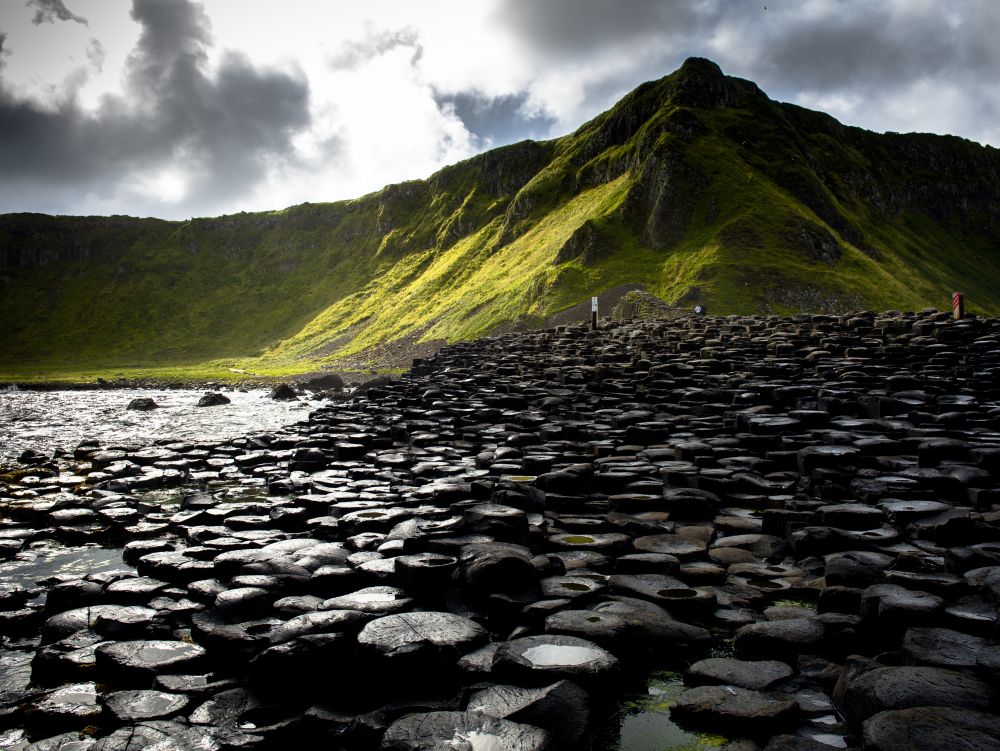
[[694, 186]]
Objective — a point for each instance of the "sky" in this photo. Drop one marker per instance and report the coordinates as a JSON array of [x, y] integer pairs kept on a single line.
[[176, 108]]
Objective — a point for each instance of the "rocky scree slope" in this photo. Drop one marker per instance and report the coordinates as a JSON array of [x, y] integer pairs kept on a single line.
[[696, 186]]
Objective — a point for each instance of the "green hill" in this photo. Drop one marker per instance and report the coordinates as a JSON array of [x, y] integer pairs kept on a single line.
[[697, 187]]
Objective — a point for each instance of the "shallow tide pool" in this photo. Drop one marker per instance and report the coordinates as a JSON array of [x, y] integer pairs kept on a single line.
[[44, 559], [645, 724], [59, 420]]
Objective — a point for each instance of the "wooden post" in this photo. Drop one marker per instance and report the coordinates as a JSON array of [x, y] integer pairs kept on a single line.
[[958, 305], [593, 312]]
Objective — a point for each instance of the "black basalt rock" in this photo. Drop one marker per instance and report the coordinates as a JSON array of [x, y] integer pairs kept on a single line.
[[213, 399], [524, 525], [142, 404], [283, 392]]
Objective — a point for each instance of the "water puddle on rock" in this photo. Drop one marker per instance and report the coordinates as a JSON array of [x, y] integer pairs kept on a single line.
[[41, 561], [644, 722], [477, 741], [558, 655]]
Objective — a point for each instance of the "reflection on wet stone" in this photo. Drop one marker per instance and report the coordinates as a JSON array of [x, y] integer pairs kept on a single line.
[[797, 515]]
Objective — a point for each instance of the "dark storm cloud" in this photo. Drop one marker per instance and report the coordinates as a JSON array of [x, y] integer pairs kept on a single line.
[[498, 120], [49, 11], [865, 44], [579, 27], [376, 42], [221, 128], [651, 38], [875, 51]]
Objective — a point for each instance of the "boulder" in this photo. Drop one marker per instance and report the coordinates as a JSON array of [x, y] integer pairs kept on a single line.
[[128, 707], [903, 687], [497, 567], [283, 392], [408, 633], [213, 399], [944, 647], [139, 662], [932, 729], [756, 675], [71, 707], [142, 404], [781, 640]]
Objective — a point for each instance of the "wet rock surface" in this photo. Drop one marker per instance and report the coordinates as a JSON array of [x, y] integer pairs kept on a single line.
[[487, 552], [213, 399]]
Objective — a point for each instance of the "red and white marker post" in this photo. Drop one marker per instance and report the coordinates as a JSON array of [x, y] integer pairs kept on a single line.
[[593, 312], [958, 305]]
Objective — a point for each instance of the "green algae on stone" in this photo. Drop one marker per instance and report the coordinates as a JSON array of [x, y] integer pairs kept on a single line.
[[646, 724], [576, 539]]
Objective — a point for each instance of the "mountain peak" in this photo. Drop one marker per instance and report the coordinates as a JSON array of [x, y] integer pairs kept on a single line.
[[700, 82], [700, 67]]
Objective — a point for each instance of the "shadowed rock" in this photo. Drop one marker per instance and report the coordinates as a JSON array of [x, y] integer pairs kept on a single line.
[[782, 640], [756, 675], [904, 687], [944, 647], [932, 729], [283, 392], [733, 710]]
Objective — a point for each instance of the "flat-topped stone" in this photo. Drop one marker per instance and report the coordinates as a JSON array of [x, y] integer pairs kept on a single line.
[[404, 633], [735, 710], [144, 660], [756, 675], [145, 704]]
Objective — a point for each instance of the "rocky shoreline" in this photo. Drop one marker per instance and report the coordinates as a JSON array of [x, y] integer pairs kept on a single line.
[[800, 513], [311, 380]]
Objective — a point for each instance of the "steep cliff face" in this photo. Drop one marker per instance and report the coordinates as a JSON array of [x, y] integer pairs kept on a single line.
[[697, 187]]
